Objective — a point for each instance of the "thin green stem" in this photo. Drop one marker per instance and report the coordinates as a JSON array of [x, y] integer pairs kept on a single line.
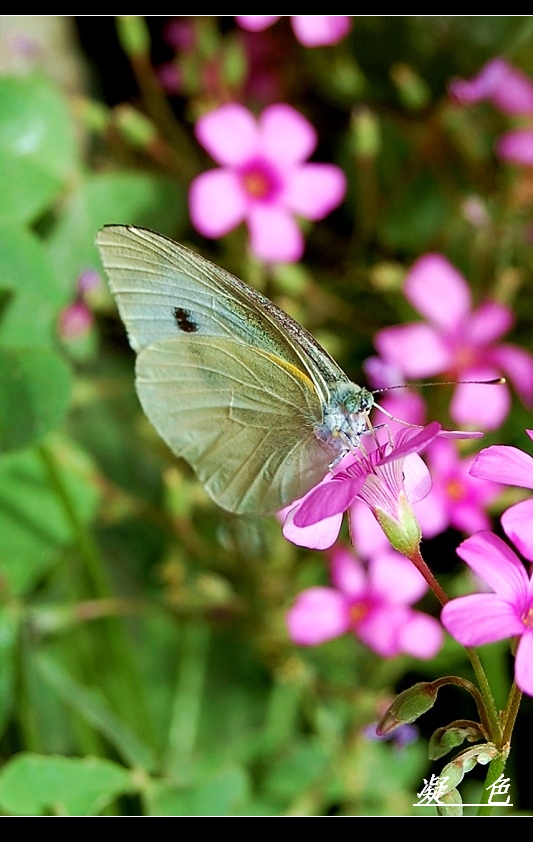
[[188, 696], [510, 713], [127, 693], [424, 570], [492, 723]]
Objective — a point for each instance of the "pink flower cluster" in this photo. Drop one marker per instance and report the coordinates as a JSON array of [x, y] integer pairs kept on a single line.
[[372, 602], [310, 30], [510, 91], [507, 611], [263, 179], [459, 341]]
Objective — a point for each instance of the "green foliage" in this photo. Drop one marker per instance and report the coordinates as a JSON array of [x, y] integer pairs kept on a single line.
[[145, 667]]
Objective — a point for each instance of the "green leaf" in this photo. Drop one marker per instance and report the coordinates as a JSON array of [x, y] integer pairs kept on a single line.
[[127, 197], [33, 523], [33, 293], [95, 711], [35, 385], [9, 625], [38, 149], [220, 793], [32, 784]]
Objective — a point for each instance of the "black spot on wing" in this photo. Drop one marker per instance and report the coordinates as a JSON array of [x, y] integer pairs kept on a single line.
[[184, 320]]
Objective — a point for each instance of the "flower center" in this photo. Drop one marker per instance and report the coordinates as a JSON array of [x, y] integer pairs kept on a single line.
[[357, 612], [527, 619], [455, 490], [260, 181]]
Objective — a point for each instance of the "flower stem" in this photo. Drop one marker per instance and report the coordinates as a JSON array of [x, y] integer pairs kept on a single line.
[[424, 570]]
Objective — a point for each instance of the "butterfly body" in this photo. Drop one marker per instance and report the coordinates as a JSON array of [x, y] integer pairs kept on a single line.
[[233, 385]]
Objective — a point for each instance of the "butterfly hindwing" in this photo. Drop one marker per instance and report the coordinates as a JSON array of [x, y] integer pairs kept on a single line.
[[244, 423]]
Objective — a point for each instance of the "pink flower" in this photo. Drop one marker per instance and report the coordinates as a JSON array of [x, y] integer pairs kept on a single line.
[[506, 87], [508, 612], [372, 604], [459, 341], [378, 478], [76, 319], [511, 466], [457, 499], [310, 30], [516, 147], [263, 179]]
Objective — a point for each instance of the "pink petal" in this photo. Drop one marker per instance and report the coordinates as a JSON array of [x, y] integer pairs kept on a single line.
[[468, 517], [438, 291], [480, 406], [367, 535], [256, 23], [328, 499], [415, 348], [381, 628], [417, 478], [216, 203], [505, 86], [274, 235], [489, 322], [411, 441], [421, 636], [229, 133], [395, 578], [504, 464], [516, 147], [318, 614], [320, 30], [514, 93], [516, 522], [482, 85], [383, 375], [431, 514], [480, 618], [524, 663], [286, 136], [318, 536], [347, 573], [314, 190], [494, 562], [517, 364]]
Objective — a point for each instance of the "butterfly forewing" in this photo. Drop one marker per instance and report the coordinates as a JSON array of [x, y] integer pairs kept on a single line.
[[163, 288], [244, 424]]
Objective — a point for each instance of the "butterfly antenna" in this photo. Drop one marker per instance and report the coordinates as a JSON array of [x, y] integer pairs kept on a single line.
[[497, 381]]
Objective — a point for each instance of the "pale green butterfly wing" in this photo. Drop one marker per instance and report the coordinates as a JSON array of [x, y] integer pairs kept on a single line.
[[162, 287], [241, 419], [248, 428]]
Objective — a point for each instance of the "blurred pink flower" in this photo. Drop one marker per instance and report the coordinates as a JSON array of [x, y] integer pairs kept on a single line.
[[505, 86], [508, 612], [458, 341], [516, 147], [510, 466], [457, 499], [263, 179], [76, 319], [310, 30], [373, 604]]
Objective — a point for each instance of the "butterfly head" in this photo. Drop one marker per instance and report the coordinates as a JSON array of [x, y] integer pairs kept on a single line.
[[345, 417]]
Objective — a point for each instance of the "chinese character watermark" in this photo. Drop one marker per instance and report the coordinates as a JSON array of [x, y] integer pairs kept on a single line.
[[433, 791]]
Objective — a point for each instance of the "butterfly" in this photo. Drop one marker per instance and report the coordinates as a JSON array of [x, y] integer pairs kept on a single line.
[[232, 384]]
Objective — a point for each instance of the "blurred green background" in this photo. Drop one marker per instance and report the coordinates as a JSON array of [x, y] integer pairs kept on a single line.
[[145, 668]]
